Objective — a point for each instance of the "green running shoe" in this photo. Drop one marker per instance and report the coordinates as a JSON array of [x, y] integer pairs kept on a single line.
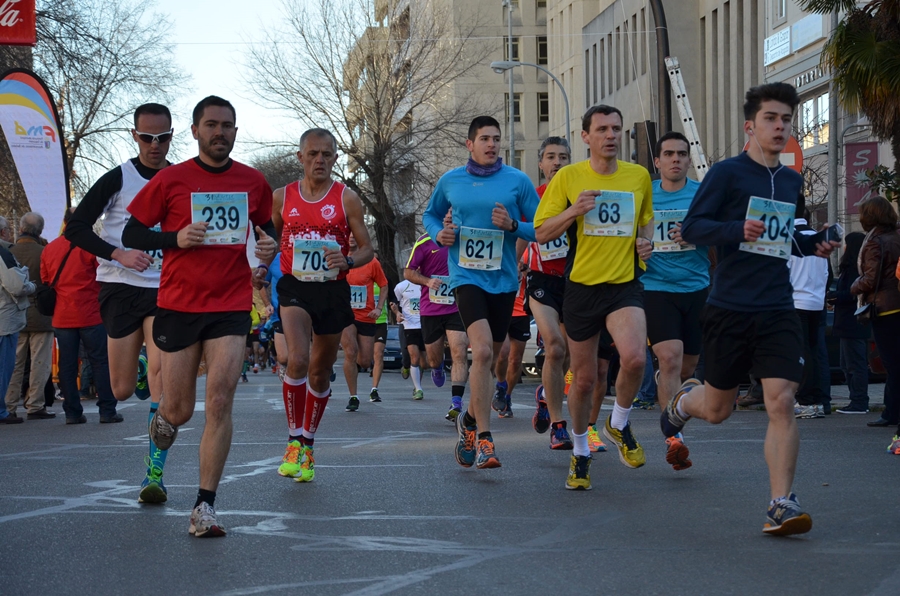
[[290, 463], [307, 465], [152, 488]]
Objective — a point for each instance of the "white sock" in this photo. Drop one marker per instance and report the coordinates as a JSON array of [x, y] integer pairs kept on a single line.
[[619, 417], [416, 373], [580, 444], [679, 409]]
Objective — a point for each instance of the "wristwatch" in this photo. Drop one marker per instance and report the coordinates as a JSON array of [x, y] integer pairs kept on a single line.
[[515, 226], [349, 262]]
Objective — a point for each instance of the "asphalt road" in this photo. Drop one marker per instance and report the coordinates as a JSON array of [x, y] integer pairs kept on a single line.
[[390, 512]]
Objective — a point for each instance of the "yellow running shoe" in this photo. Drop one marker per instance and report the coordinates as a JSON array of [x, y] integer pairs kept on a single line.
[[594, 441], [307, 465], [290, 463], [630, 451], [579, 473]]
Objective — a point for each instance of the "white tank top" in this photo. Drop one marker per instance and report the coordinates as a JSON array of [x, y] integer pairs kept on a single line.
[[115, 216]]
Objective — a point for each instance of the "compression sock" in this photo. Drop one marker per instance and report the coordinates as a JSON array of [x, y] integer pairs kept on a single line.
[[416, 373], [315, 409], [293, 391], [157, 456]]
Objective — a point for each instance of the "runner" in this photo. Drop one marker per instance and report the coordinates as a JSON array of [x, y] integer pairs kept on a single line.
[[205, 207], [409, 296], [749, 320], [605, 207], [508, 367], [381, 331], [129, 279], [676, 281], [278, 343], [439, 316], [488, 202], [314, 218], [358, 339]]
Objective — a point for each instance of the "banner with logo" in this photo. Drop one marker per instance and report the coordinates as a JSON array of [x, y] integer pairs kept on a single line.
[[30, 123], [858, 158], [17, 23]]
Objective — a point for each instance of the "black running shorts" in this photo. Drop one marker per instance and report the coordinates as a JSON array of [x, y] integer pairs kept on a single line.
[[174, 331], [586, 307], [327, 303], [549, 290], [520, 328], [124, 307], [436, 327], [675, 316], [768, 343], [380, 333], [475, 304], [414, 338]]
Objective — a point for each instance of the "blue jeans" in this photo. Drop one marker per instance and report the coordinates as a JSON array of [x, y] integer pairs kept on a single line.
[[647, 391], [7, 364], [855, 364], [94, 339]]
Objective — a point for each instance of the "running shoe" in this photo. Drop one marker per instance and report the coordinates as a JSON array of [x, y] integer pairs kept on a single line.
[[806, 412], [630, 451], [437, 375], [498, 403], [255, 369], [486, 458], [540, 422], [373, 395], [579, 473], [677, 453], [353, 404], [290, 463], [595, 443], [418, 394], [453, 413], [307, 465], [853, 409], [507, 412], [894, 447], [560, 439], [152, 488], [465, 445], [404, 372], [142, 388], [204, 523], [244, 378], [161, 432], [670, 422], [785, 518], [643, 404]]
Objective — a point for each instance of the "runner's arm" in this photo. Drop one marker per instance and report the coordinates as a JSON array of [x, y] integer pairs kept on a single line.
[[354, 213], [80, 229], [701, 226], [137, 235]]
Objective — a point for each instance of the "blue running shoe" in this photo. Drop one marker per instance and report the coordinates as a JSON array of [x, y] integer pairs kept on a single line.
[[498, 403], [541, 419], [438, 377], [669, 421], [152, 488], [560, 439], [142, 388], [465, 445], [785, 518]]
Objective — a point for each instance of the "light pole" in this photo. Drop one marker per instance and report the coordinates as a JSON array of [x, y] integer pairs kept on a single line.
[[502, 66], [512, 116]]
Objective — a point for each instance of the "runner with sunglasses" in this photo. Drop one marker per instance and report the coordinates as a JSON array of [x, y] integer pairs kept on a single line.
[[129, 279]]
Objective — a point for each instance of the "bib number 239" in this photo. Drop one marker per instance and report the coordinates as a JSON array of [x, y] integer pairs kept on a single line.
[[480, 249], [226, 214]]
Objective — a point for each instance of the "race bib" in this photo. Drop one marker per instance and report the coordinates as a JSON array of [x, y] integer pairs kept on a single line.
[[778, 218], [309, 262], [665, 223], [555, 249], [156, 254], [442, 295], [414, 305], [612, 215], [226, 214], [358, 295], [480, 249]]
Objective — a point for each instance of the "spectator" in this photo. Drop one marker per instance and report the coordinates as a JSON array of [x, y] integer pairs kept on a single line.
[[77, 318], [14, 289], [36, 339], [6, 235], [854, 336], [877, 285]]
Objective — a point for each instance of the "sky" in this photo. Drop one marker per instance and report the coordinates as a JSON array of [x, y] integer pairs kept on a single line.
[[208, 37]]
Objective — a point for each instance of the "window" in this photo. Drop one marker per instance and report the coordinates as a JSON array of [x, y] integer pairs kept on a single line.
[[542, 3], [543, 107], [515, 49], [542, 53], [517, 163], [780, 8], [517, 106], [812, 121]]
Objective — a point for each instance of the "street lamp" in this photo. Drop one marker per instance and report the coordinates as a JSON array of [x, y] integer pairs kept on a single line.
[[501, 66]]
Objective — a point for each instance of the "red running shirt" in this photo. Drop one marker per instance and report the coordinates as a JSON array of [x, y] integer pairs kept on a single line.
[[77, 290], [204, 278], [555, 267], [304, 220]]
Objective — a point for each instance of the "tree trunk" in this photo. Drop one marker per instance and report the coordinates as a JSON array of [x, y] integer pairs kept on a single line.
[[384, 236]]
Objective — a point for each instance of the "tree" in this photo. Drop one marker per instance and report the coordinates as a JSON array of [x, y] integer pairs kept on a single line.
[[863, 55], [101, 60], [280, 166], [380, 77]]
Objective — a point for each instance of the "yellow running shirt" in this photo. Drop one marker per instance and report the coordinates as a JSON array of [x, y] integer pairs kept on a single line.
[[601, 258]]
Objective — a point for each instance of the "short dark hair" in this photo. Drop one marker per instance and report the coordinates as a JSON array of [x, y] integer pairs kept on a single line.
[[212, 100], [877, 212], [672, 135], [480, 122], [599, 109], [318, 132], [854, 241], [781, 92], [154, 109], [553, 141]]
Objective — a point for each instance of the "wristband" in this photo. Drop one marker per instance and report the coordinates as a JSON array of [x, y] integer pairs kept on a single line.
[[263, 265]]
